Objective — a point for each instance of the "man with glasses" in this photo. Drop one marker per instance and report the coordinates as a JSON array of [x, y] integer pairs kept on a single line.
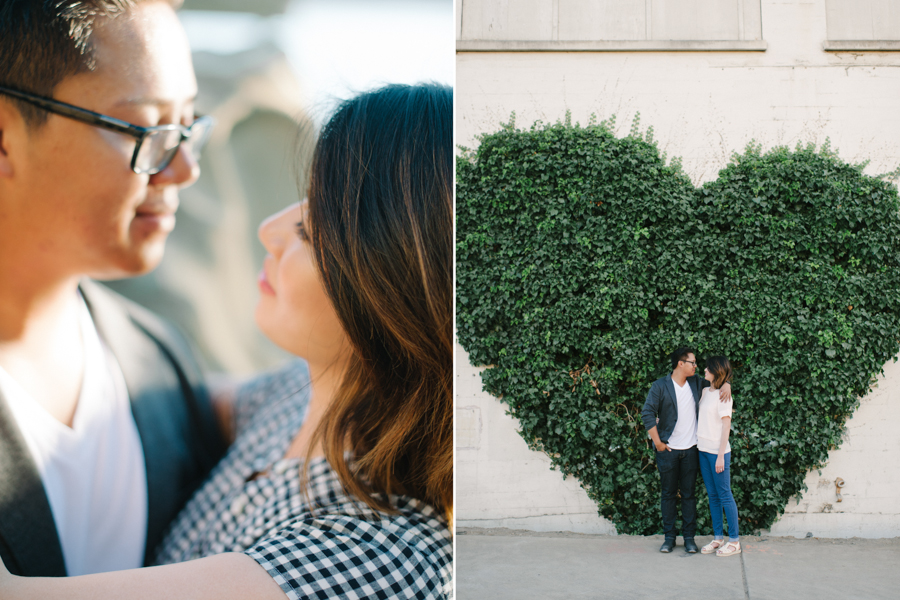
[[105, 425], [670, 417]]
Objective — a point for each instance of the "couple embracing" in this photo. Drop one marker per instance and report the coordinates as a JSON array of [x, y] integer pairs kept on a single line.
[[332, 478], [689, 419]]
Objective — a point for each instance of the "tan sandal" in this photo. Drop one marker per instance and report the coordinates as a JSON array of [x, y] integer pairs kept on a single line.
[[729, 549], [712, 546]]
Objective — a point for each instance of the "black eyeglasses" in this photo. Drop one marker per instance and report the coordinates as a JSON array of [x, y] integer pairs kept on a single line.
[[693, 362], [156, 146]]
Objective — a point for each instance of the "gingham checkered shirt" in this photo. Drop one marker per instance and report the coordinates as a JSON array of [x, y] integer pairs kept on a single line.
[[322, 544]]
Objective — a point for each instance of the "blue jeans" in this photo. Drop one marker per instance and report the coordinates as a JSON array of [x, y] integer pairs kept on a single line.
[[718, 488], [678, 475]]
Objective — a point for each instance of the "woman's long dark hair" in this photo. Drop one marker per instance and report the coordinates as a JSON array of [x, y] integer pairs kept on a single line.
[[380, 217]]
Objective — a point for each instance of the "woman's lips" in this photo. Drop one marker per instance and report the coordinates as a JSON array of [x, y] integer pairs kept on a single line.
[[263, 283]]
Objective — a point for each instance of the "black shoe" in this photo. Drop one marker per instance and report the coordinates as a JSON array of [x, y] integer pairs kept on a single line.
[[667, 546], [689, 546]]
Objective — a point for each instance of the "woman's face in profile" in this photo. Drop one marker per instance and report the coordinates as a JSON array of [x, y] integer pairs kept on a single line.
[[707, 375], [293, 309]]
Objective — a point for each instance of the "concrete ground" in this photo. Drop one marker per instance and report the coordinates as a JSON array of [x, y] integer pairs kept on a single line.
[[496, 564]]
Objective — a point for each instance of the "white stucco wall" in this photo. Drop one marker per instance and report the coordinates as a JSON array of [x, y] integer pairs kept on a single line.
[[702, 106]]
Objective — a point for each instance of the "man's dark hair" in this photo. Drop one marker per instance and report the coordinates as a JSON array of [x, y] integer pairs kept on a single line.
[[44, 41], [679, 355]]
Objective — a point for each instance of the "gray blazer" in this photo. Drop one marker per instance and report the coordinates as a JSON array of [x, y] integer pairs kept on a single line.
[[174, 418], [661, 403]]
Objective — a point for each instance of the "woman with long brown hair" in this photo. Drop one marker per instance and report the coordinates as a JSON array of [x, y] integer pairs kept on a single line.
[[713, 429], [339, 482]]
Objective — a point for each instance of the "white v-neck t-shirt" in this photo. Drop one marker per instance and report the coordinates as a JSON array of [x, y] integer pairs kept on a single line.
[[684, 435], [93, 473]]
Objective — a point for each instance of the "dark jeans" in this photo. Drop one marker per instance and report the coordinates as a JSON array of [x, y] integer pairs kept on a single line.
[[678, 473]]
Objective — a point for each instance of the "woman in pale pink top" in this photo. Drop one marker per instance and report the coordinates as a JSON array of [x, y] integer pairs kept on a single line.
[[713, 427]]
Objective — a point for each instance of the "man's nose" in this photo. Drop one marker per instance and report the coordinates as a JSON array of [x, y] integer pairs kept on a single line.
[[182, 171]]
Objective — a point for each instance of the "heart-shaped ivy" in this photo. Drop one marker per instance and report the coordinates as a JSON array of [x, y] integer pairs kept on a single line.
[[583, 260]]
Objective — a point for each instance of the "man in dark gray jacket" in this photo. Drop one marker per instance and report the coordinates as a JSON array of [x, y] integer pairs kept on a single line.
[[106, 427], [670, 417]]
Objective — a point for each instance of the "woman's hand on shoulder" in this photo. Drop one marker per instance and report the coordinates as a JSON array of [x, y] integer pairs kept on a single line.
[[725, 392]]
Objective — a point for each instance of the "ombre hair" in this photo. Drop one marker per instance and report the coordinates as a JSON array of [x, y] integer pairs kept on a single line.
[[720, 368], [380, 223]]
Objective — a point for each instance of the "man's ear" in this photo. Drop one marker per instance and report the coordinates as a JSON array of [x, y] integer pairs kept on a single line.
[[5, 164], [9, 117], [6, 169]]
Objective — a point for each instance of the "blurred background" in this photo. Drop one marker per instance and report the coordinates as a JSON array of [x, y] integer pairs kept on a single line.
[[271, 72]]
